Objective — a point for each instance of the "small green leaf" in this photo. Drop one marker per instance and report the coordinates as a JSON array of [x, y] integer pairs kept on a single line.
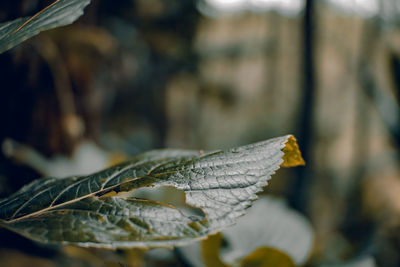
[[59, 13], [91, 211]]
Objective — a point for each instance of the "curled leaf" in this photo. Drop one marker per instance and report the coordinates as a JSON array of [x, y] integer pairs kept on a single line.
[[90, 210]]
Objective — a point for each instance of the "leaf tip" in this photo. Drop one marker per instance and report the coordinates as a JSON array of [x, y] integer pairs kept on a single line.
[[292, 155]]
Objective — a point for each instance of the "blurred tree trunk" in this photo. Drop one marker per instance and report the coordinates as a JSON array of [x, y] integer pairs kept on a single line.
[[298, 197], [395, 67]]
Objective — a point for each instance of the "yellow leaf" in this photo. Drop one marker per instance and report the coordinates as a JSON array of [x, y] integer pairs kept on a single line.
[[210, 251], [267, 257]]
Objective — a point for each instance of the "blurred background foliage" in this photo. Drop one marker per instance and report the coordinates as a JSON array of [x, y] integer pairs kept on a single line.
[[134, 75]]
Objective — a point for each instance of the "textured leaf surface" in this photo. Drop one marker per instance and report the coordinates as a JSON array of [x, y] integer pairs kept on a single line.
[[60, 13], [90, 211]]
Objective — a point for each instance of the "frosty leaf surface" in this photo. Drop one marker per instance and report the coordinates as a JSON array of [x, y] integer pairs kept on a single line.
[[92, 210]]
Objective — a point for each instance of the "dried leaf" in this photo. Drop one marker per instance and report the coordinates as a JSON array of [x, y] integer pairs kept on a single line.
[[266, 257], [210, 251]]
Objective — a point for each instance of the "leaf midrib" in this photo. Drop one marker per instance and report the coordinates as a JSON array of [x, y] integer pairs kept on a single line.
[[106, 188], [85, 196]]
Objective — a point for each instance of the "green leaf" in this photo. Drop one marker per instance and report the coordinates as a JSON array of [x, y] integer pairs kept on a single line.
[[59, 13], [91, 211]]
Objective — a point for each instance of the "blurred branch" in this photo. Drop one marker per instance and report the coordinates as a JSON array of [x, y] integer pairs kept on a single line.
[[360, 185], [353, 218], [386, 104], [51, 54], [72, 124], [395, 72], [298, 197]]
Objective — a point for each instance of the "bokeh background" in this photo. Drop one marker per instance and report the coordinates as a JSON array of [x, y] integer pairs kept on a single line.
[[134, 75]]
